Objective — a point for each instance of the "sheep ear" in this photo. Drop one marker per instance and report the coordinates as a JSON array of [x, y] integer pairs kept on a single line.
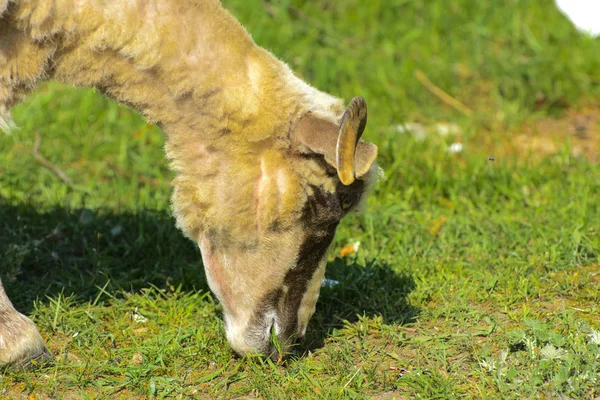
[[316, 135]]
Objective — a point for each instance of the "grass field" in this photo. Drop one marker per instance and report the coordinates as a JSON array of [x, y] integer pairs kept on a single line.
[[478, 271]]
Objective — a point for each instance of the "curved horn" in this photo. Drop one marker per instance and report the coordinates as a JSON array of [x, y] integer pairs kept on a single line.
[[351, 129]]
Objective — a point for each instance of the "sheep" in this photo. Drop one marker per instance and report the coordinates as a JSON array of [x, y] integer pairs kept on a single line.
[[266, 165]]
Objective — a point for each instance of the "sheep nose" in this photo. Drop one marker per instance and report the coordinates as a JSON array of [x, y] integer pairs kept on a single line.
[[298, 339]]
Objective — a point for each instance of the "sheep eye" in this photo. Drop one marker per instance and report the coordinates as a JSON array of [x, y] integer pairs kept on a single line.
[[346, 203]]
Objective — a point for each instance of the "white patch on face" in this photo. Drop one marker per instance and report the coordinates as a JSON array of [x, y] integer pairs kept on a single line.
[[263, 186], [309, 300], [272, 191], [234, 327], [241, 290], [235, 330], [271, 316], [282, 182]]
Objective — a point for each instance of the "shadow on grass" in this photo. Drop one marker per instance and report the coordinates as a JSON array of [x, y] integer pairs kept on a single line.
[[374, 289], [79, 252], [43, 253]]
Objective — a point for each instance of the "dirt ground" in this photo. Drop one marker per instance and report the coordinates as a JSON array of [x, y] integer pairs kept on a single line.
[[547, 136]]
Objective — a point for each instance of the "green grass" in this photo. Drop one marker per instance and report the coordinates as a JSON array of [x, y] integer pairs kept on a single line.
[[474, 278]]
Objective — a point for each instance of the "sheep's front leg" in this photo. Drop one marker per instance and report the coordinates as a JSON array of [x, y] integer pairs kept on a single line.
[[20, 341]]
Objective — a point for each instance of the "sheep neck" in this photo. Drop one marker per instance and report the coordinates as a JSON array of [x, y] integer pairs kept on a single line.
[[188, 66]]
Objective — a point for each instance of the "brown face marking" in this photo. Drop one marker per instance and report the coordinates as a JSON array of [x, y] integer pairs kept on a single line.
[[321, 216], [297, 279]]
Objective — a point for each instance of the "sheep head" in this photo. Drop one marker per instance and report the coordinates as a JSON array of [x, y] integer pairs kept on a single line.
[[265, 254]]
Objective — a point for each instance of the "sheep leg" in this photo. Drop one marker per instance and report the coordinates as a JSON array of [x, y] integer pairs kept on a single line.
[[23, 64], [20, 341]]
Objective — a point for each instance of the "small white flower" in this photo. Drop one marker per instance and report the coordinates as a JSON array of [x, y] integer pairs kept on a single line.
[[455, 148], [445, 129], [418, 130]]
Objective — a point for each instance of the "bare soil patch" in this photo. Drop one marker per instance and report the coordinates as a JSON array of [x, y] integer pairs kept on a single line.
[[579, 129]]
